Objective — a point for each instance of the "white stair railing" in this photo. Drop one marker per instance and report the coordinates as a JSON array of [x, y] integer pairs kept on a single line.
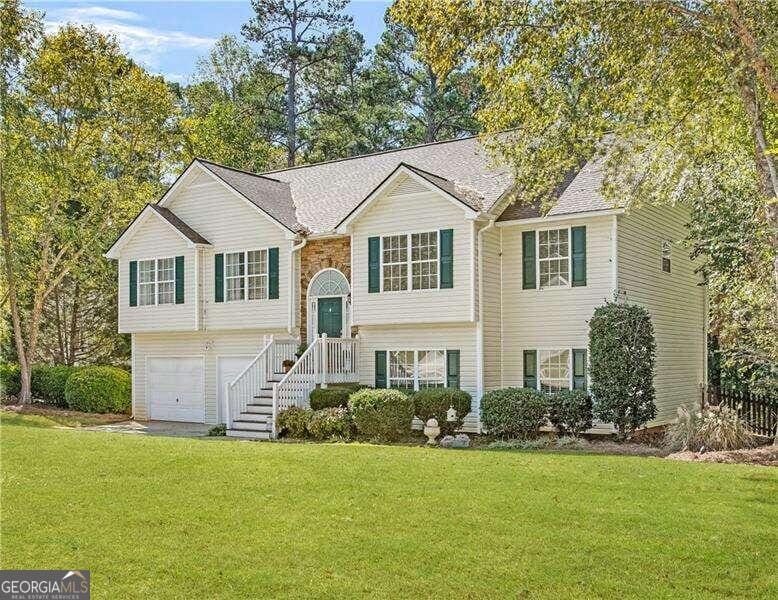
[[245, 386], [340, 358], [301, 379]]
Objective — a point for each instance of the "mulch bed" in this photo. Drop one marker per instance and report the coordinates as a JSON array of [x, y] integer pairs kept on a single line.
[[53, 412], [764, 455]]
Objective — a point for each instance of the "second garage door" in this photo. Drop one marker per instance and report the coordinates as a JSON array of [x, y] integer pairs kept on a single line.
[[175, 389]]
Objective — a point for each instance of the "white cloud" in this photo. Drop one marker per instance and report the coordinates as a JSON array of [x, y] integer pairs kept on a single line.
[[145, 44]]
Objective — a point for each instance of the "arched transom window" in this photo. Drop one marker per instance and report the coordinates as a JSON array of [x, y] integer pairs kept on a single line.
[[329, 282]]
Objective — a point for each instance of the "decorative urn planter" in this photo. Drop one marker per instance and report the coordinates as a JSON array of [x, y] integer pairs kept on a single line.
[[287, 365], [432, 431]]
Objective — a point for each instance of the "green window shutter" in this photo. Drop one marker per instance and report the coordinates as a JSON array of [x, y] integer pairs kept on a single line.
[[373, 265], [531, 369], [380, 369], [219, 277], [133, 283], [446, 258], [179, 279], [452, 368], [272, 271], [579, 369], [578, 255], [528, 260]]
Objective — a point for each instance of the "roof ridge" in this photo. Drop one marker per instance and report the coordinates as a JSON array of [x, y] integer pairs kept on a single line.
[[260, 175], [378, 153]]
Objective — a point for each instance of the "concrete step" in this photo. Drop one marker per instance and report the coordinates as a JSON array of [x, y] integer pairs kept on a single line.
[[256, 417], [248, 434], [251, 425]]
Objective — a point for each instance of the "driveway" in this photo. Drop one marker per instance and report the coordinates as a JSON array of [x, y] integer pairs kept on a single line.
[[163, 428]]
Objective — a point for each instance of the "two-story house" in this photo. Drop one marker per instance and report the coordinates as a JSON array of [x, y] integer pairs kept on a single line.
[[407, 268]]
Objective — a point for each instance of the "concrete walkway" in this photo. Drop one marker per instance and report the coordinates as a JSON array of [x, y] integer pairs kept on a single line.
[[164, 428]]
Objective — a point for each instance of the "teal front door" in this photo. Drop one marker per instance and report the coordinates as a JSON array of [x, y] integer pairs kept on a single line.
[[330, 316]]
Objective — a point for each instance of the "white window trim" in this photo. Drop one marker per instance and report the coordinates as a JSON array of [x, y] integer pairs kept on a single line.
[[569, 364], [408, 262], [246, 275], [569, 259], [669, 245], [156, 282], [416, 351]]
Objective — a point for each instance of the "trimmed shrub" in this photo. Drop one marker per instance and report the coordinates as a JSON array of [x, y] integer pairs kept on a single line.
[[330, 423], [48, 383], [381, 414], [570, 411], [715, 428], [514, 412], [293, 422], [622, 353], [332, 397], [218, 430], [99, 390], [433, 403], [10, 380]]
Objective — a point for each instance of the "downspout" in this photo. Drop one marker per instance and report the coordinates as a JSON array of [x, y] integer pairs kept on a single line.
[[480, 323], [292, 295]]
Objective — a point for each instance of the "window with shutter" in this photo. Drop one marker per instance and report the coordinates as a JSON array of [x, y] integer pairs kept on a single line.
[[528, 281], [530, 369]]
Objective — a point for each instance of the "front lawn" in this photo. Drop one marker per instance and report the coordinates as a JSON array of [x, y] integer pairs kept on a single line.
[[173, 517]]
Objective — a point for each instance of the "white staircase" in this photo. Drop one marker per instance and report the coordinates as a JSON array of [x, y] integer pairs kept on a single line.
[[254, 399]]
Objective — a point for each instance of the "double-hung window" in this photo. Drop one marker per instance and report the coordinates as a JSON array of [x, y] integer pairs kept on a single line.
[[410, 261], [554, 257], [246, 275], [156, 281], [554, 370], [417, 369]]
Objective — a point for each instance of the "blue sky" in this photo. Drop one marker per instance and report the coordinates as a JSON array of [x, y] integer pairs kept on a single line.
[[167, 37]]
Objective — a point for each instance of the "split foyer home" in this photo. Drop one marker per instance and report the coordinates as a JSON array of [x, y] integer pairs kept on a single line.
[[407, 268]]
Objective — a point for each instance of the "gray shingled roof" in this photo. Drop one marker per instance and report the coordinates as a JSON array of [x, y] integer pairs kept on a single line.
[[176, 222], [324, 193], [270, 195], [578, 192], [317, 197]]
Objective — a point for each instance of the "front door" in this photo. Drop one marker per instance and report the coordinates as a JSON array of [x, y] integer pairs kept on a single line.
[[330, 316]]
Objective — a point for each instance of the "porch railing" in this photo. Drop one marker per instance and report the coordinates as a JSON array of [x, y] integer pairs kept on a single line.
[[256, 375], [326, 360]]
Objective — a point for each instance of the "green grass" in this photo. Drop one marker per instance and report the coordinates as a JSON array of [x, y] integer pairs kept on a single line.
[[215, 518]]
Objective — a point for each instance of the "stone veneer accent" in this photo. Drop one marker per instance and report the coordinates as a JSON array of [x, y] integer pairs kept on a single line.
[[316, 255]]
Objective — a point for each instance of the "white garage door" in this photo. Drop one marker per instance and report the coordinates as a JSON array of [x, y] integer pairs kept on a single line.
[[229, 368], [175, 389]]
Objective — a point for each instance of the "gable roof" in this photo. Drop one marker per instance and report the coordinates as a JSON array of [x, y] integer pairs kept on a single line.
[[270, 195], [471, 200], [191, 237], [325, 193]]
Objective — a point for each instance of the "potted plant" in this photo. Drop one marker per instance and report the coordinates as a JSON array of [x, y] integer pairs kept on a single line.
[[287, 365]]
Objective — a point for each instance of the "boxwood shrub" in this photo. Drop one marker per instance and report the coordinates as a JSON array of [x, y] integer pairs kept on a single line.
[[99, 390], [10, 380], [381, 414], [433, 403], [48, 383], [570, 411], [293, 422], [330, 423], [514, 412], [332, 397]]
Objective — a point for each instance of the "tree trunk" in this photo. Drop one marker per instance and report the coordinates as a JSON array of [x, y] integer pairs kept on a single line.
[[10, 279], [765, 167]]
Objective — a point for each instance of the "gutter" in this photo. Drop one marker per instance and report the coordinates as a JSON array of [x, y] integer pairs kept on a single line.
[[292, 294], [479, 348]]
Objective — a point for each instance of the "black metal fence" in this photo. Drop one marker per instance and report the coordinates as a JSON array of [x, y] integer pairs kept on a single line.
[[758, 410]]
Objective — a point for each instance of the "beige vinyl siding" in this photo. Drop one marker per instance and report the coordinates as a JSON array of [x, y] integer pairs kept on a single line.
[[675, 300], [208, 345], [231, 224], [400, 214], [556, 317], [423, 337], [491, 309], [156, 239]]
